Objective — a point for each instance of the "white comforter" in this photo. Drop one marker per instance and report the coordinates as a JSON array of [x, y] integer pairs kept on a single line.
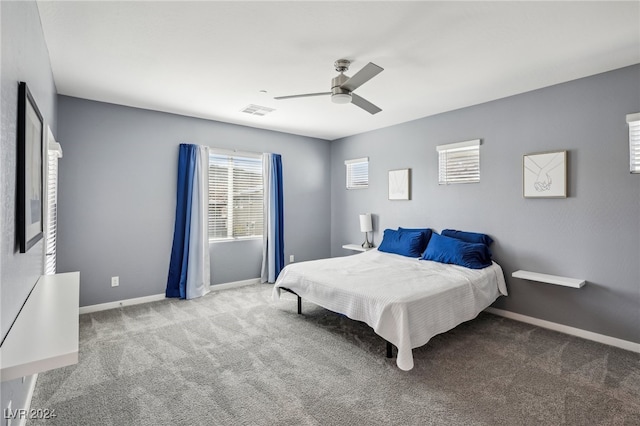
[[405, 300]]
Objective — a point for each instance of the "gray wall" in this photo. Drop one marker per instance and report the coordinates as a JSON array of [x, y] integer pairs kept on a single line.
[[24, 58], [593, 234], [118, 189]]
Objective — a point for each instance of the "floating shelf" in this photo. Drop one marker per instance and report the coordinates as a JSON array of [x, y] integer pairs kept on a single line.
[[550, 279], [356, 247], [46, 333]]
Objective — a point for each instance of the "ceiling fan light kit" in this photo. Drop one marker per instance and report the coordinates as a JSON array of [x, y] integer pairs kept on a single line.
[[342, 86], [341, 98]]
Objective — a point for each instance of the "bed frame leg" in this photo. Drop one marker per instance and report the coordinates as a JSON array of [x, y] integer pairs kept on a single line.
[[389, 350], [299, 305]]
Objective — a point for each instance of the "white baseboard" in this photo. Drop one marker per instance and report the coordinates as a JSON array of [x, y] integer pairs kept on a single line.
[[120, 303], [584, 334], [156, 297], [235, 284]]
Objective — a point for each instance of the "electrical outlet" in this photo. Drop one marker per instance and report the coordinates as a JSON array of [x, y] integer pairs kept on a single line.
[[291, 258], [115, 281]]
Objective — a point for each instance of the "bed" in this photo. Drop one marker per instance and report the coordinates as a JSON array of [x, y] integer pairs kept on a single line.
[[405, 300]]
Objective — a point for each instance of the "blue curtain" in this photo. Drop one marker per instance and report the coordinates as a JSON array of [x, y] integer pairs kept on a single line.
[[273, 241], [189, 273], [176, 282]]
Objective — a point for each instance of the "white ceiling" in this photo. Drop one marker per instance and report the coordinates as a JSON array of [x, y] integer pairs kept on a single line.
[[210, 59]]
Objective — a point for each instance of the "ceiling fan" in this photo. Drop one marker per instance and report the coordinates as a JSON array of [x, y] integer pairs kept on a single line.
[[342, 86]]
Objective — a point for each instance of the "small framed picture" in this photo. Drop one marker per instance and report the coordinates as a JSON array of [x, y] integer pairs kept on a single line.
[[544, 175], [399, 184]]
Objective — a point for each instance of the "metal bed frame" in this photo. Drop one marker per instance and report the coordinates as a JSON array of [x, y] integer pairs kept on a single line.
[[389, 344]]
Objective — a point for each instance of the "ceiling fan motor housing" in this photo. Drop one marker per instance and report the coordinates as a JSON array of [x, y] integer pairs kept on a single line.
[[338, 94]]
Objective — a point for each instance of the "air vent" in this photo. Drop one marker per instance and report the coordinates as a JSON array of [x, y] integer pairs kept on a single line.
[[257, 110]]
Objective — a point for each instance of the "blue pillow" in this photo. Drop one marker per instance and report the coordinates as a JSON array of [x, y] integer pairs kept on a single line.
[[445, 249], [469, 237], [406, 243], [426, 232]]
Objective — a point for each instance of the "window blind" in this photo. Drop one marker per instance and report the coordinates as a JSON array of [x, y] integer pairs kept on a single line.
[[51, 224], [357, 173], [459, 162], [235, 196], [634, 142]]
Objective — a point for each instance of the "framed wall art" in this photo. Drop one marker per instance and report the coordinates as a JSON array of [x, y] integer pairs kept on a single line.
[[30, 136], [545, 175], [399, 184]]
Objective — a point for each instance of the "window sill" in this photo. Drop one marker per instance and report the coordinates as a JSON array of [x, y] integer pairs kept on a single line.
[[231, 240]]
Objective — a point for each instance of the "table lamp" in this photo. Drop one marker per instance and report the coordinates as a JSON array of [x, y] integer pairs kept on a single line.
[[366, 227]]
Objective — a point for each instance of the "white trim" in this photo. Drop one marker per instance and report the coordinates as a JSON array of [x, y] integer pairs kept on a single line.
[[578, 332], [32, 388], [357, 160], [633, 117], [234, 153], [155, 297], [52, 145], [458, 145], [232, 239], [118, 304], [55, 147], [235, 284]]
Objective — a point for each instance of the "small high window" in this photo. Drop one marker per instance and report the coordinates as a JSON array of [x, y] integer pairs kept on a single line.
[[634, 142], [459, 162], [357, 173]]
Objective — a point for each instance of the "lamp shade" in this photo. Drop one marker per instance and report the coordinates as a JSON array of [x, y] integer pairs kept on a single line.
[[365, 223]]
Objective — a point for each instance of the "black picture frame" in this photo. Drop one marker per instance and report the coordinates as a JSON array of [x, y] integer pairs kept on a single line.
[[30, 179]]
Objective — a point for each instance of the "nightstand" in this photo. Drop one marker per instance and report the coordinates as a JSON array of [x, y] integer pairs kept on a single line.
[[356, 247]]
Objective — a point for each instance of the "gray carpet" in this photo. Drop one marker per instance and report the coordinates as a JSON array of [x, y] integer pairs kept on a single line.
[[236, 358]]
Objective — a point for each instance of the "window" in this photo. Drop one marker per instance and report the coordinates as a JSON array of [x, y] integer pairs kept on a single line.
[[634, 141], [357, 173], [235, 196], [54, 152], [459, 162]]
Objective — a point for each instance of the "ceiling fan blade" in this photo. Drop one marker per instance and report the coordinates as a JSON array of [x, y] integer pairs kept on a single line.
[[365, 74], [302, 96], [364, 104]]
